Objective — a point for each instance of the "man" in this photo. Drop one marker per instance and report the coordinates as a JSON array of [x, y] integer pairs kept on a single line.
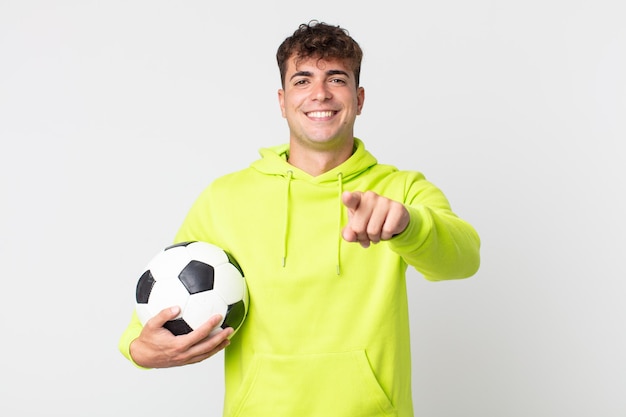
[[324, 235]]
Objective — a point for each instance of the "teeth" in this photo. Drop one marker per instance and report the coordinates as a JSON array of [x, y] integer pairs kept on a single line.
[[318, 114]]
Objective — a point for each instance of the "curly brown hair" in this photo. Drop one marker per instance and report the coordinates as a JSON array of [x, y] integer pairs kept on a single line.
[[322, 41]]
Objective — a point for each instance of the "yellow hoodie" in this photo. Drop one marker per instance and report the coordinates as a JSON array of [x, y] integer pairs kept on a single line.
[[327, 331]]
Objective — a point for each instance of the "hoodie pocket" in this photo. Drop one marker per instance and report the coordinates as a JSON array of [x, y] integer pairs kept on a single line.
[[320, 385]]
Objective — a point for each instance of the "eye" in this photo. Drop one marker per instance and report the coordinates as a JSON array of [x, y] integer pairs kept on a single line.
[[337, 81], [301, 81]]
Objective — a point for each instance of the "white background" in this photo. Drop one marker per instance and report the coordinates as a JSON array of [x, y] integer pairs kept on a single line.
[[115, 115]]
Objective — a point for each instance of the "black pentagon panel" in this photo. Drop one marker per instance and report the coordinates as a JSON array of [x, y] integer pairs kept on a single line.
[[144, 287], [177, 327], [176, 245], [197, 277], [234, 315], [232, 260]]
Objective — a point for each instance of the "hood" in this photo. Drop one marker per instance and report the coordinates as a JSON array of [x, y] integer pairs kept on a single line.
[[274, 162]]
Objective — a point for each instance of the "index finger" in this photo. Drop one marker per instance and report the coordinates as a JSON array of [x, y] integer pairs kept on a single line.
[[351, 199], [208, 329]]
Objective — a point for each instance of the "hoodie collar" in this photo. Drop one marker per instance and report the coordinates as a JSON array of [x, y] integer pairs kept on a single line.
[[274, 162]]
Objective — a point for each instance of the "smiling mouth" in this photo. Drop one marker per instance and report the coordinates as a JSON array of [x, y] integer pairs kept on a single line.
[[321, 114]]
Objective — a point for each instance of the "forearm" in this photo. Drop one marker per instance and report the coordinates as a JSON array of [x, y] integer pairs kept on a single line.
[[438, 244]]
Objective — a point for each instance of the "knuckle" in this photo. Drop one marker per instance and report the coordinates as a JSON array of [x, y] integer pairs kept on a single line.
[[372, 230], [369, 195]]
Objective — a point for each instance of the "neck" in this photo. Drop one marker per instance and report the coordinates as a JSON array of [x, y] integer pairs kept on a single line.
[[317, 162]]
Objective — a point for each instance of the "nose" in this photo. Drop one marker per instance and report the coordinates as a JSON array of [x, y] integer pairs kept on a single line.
[[321, 92]]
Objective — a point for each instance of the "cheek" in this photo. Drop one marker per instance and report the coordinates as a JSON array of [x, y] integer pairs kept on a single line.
[[286, 110], [288, 107]]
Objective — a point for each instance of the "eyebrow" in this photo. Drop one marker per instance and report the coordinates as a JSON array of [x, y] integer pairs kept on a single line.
[[310, 74]]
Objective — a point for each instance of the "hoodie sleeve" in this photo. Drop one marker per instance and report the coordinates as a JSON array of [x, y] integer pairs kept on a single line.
[[130, 333], [439, 244]]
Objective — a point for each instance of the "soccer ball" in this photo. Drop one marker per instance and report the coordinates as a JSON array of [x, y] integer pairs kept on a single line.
[[201, 278]]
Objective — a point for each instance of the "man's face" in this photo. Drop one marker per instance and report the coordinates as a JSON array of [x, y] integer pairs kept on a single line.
[[320, 101]]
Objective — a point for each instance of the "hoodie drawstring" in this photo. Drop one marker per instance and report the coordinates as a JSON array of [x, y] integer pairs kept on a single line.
[[286, 229], [339, 218], [340, 212]]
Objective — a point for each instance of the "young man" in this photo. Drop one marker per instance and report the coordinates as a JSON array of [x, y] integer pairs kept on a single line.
[[324, 235]]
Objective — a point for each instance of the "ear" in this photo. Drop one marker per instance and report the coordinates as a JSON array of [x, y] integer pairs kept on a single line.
[[281, 101], [360, 99]]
